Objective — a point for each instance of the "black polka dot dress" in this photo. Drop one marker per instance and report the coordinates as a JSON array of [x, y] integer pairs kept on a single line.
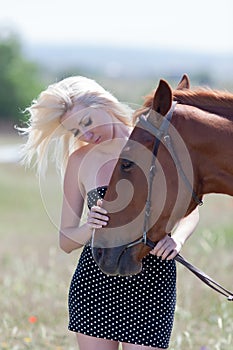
[[136, 309]]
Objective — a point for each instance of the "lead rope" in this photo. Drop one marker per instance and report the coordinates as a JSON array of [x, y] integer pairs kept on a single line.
[[205, 278], [200, 274]]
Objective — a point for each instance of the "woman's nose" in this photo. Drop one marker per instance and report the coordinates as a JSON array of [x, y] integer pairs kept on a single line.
[[87, 136]]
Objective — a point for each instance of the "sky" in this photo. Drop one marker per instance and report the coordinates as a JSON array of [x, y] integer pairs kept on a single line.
[[200, 25]]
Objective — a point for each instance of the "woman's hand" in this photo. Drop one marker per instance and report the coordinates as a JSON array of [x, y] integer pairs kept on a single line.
[[97, 217], [167, 248]]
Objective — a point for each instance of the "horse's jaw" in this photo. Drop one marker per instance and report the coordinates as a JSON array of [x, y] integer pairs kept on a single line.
[[121, 261]]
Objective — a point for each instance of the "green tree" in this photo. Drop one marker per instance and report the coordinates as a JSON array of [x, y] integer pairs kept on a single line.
[[19, 78]]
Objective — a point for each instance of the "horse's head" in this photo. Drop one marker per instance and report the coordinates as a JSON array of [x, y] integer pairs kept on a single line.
[[145, 184]]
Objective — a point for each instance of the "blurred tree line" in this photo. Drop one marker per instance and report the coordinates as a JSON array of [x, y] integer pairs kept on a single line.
[[19, 78], [22, 80]]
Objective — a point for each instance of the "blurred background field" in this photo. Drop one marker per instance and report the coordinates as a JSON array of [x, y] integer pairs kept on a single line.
[[35, 274], [36, 49]]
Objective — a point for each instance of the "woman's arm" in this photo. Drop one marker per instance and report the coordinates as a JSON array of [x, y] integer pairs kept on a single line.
[[169, 247], [72, 235]]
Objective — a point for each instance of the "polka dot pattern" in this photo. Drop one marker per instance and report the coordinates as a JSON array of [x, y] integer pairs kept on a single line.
[[136, 309]]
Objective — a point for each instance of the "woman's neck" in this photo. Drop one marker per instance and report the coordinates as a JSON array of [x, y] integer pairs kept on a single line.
[[120, 135]]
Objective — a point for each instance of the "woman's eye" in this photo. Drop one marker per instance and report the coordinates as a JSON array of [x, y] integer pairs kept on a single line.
[[126, 165], [88, 122], [76, 132]]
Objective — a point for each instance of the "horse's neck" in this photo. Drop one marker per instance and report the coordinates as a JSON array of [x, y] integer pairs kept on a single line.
[[222, 111], [215, 167], [216, 102]]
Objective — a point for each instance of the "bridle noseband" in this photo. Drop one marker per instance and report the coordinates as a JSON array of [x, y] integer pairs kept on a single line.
[[162, 134]]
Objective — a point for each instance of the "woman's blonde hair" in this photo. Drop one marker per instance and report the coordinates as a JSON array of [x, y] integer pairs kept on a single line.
[[44, 126]]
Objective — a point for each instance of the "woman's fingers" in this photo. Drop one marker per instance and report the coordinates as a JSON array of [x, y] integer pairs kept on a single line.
[[166, 248], [168, 253], [97, 217], [171, 255], [159, 247], [96, 224]]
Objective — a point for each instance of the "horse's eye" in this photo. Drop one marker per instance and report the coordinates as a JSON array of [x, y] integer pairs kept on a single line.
[[126, 165]]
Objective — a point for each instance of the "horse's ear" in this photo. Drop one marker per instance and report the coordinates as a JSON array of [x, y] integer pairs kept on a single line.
[[163, 98], [184, 83]]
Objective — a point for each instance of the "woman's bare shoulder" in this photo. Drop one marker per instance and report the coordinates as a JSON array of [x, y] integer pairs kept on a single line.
[[74, 167], [77, 170]]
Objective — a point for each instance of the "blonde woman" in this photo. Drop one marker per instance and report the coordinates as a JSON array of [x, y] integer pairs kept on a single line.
[[87, 127]]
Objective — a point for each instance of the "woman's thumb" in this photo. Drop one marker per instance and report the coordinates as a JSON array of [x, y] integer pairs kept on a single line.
[[99, 202]]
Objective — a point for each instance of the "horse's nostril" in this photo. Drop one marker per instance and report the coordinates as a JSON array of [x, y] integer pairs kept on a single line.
[[99, 252]]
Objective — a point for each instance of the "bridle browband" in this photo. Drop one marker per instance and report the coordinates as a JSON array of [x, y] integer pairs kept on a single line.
[[162, 134]]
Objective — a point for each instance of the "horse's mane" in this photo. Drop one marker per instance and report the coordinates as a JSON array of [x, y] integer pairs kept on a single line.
[[213, 101]]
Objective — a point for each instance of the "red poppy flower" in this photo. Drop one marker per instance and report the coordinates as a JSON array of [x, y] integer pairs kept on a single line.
[[32, 319]]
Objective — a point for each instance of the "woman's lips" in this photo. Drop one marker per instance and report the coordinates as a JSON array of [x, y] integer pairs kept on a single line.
[[98, 139]]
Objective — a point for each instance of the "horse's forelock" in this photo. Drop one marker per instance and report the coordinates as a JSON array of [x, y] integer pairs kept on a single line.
[[146, 105]]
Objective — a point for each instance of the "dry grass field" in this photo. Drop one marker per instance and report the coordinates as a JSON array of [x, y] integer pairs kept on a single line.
[[35, 274]]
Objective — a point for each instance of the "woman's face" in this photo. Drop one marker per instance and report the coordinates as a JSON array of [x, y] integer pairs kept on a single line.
[[90, 125]]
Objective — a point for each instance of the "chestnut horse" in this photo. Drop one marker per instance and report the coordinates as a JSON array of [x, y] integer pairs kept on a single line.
[[180, 149]]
